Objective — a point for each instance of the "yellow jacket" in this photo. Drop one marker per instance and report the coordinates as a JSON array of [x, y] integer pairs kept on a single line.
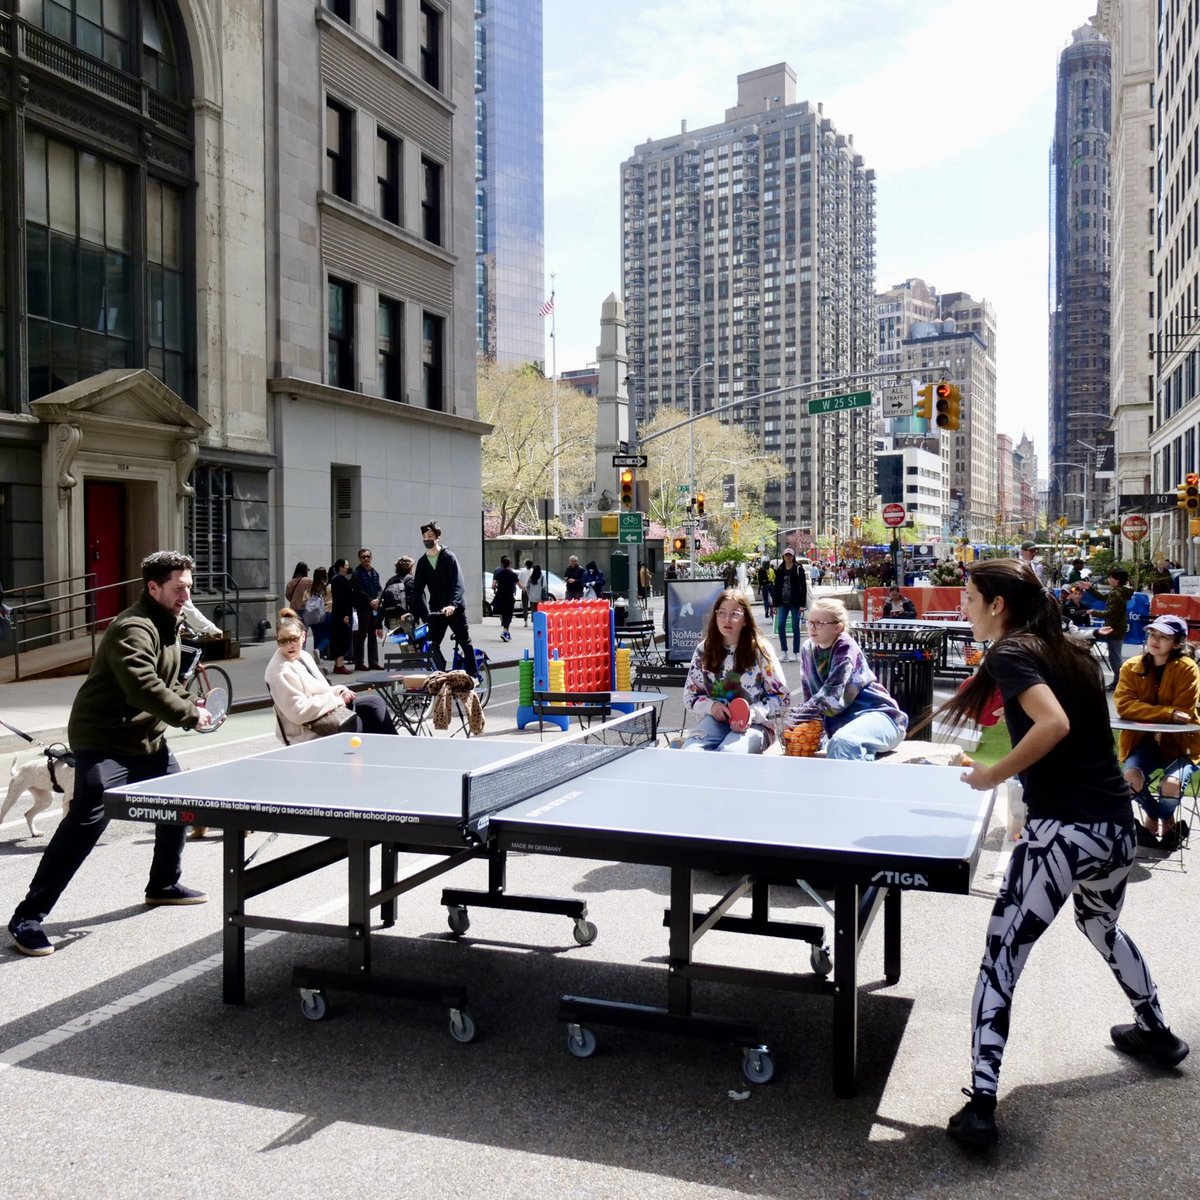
[[1138, 700]]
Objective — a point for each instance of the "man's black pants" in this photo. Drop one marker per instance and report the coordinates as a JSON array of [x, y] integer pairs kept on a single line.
[[457, 625], [84, 822]]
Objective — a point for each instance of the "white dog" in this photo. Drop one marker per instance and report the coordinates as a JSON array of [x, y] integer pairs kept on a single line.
[[34, 776]]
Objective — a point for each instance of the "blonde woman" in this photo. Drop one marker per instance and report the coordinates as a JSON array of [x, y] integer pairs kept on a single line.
[[735, 682], [837, 687], [302, 694]]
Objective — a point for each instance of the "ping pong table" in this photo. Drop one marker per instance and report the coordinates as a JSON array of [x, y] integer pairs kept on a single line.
[[862, 832]]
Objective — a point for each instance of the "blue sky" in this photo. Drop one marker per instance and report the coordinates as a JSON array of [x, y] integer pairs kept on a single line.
[[950, 101]]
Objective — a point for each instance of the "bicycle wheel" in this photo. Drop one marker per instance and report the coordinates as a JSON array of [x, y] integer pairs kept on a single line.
[[483, 688], [206, 678]]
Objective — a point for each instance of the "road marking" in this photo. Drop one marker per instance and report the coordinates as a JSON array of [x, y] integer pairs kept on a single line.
[[22, 1052]]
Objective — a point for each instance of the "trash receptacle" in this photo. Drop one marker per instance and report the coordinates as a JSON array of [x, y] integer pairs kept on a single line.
[[903, 660]]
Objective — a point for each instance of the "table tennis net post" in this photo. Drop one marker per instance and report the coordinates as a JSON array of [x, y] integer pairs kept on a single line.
[[489, 790]]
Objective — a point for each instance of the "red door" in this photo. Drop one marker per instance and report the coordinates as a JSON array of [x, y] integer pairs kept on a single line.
[[104, 536]]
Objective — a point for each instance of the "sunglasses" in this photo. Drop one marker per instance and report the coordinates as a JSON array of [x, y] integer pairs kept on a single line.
[[289, 641]]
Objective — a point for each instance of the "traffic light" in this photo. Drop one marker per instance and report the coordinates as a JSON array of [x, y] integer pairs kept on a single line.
[[925, 402], [1181, 495], [700, 504], [1192, 491], [680, 545], [691, 505], [949, 405], [627, 489]]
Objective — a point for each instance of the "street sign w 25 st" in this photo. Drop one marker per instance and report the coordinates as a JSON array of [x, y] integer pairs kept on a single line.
[[830, 404]]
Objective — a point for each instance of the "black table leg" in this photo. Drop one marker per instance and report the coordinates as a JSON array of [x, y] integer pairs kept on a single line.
[[679, 983], [845, 988], [358, 857], [387, 878], [233, 935], [891, 935]]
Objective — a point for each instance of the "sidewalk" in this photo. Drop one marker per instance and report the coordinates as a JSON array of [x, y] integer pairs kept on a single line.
[[41, 707]]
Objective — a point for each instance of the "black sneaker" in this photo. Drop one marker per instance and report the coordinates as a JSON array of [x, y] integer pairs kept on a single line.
[[1161, 1044], [1145, 838], [975, 1123], [176, 894], [28, 937]]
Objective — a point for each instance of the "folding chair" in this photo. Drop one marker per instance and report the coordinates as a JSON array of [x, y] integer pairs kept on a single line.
[[587, 706]]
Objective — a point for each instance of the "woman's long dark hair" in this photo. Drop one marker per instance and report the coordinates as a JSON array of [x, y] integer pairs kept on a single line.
[[750, 648], [300, 571], [1035, 624]]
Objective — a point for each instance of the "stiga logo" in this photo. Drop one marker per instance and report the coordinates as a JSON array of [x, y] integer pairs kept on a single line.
[[900, 879], [158, 814]]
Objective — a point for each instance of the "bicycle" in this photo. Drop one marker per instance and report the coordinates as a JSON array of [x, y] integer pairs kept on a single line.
[[415, 640], [200, 679]]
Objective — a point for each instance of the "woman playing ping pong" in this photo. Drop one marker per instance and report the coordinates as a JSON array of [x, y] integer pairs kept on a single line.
[[735, 682], [1078, 841]]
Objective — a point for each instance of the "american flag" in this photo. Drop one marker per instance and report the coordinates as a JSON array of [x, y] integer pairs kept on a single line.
[[546, 308]]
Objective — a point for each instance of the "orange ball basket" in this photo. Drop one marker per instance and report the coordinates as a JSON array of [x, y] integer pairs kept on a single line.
[[803, 740], [972, 656]]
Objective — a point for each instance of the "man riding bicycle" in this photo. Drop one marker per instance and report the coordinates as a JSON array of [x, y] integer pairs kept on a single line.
[[438, 572]]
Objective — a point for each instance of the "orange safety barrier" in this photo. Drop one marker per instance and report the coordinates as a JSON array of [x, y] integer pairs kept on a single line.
[[1187, 607]]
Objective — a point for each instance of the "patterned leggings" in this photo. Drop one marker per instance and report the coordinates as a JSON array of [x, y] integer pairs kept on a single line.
[[1053, 861]]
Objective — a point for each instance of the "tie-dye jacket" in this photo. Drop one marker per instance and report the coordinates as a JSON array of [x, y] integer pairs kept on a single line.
[[847, 690], [763, 687]]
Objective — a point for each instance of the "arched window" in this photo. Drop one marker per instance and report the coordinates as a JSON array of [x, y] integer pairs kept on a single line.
[[102, 162]]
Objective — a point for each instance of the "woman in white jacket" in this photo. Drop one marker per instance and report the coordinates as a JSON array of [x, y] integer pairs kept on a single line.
[[302, 694]]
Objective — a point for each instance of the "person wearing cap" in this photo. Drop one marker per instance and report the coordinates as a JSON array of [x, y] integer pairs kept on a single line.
[[1029, 555], [438, 573], [1075, 574], [1161, 686], [791, 596]]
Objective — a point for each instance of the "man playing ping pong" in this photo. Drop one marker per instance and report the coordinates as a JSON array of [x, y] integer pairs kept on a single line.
[[117, 732]]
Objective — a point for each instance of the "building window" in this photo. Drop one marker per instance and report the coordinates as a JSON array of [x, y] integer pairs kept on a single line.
[[339, 150], [387, 35], [208, 526], [433, 333], [164, 283], [341, 334], [390, 336], [431, 201], [79, 266], [431, 45], [339, 8], [387, 176]]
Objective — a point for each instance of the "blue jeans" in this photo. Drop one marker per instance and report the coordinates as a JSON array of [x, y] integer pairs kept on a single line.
[[1115, 650], [864, 737], [711, 734], [797, 622], [1147, 757]]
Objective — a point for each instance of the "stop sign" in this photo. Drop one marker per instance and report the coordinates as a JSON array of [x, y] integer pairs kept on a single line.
[[894, 515], [1135, 527]]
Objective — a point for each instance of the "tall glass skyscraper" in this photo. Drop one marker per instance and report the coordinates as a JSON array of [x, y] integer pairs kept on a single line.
[[509, 200]]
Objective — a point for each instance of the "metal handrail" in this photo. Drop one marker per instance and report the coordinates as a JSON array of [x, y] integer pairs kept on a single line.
[[50, 606], [227, 585]]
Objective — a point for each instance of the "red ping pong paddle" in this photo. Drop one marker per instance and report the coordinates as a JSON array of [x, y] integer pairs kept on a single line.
[[739, 714]]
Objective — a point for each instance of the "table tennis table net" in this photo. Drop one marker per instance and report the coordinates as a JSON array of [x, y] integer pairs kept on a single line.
[[490, 789]]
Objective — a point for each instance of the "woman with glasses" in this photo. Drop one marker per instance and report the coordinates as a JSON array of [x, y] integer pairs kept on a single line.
[[837, 687], [735, 683], [301, 694]]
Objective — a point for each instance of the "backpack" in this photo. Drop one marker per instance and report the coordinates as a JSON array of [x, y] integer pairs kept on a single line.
[[314, 611], [394, 600]]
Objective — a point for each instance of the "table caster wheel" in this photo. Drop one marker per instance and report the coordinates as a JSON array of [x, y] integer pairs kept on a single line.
[[585, 932], [580, 1041], [313, 1005], [458, 919], [757, 1065], [820, 959], [462, 1028]]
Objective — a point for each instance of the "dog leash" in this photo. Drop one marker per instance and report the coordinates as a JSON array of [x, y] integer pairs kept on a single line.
[[21, 733], [55, 754]]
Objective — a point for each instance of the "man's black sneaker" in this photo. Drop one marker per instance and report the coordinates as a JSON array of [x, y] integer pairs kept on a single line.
[[28, 937], [1161, 1044], [176, 894], [975, 1123]]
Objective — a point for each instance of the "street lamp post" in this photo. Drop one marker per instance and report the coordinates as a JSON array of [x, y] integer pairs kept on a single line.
[[692, 425], [1083, 494]]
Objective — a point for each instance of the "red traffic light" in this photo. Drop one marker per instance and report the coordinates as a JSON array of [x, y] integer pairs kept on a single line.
[[1192, 480], [942, 391]]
